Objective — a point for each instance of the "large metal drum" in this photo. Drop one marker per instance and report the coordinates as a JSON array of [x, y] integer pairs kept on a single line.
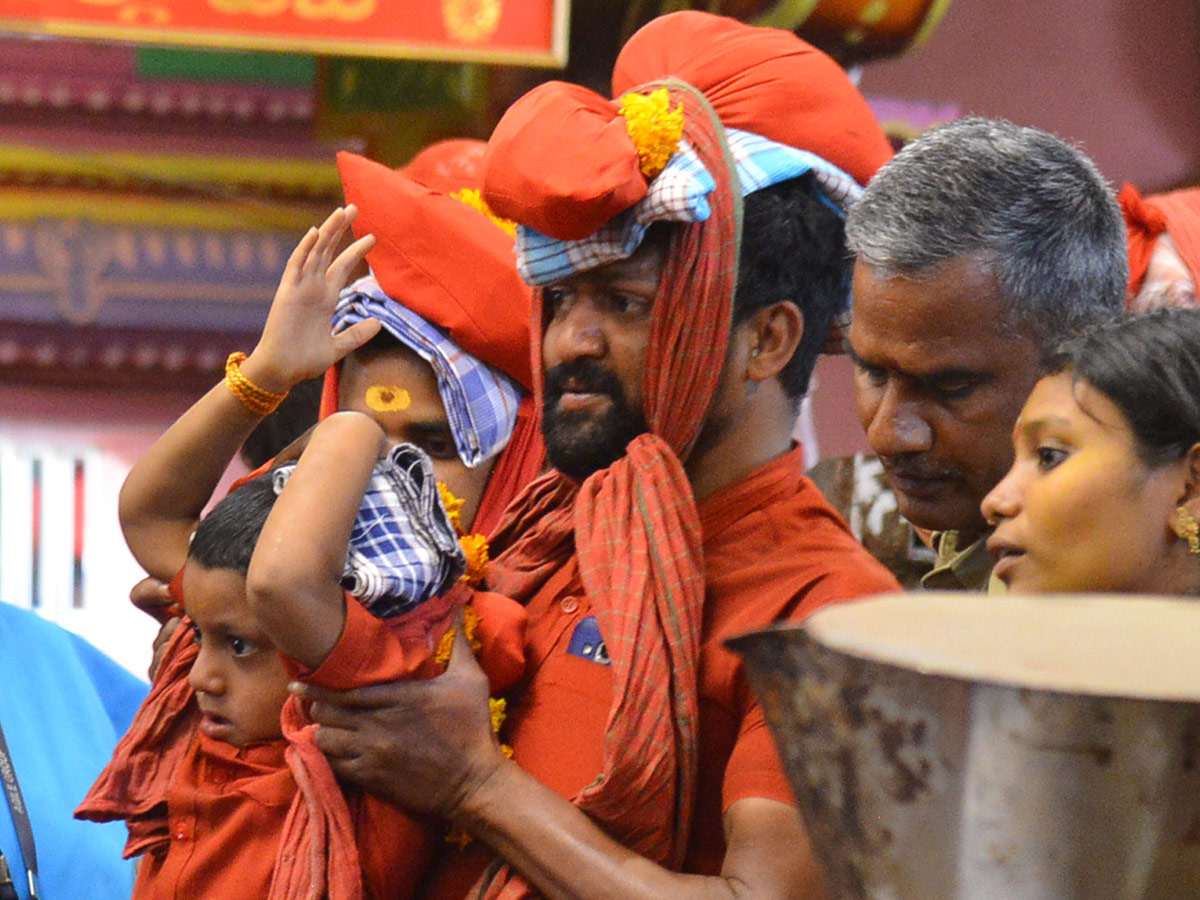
[[958, 747]]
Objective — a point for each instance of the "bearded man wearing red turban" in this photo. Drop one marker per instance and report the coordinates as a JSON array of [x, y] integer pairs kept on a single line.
[[686, 239]]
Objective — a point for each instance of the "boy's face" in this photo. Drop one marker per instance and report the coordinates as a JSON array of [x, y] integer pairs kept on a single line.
[[398, 389], [238, 677]]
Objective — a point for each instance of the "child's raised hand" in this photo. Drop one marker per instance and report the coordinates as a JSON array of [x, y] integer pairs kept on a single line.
[[296, 342]]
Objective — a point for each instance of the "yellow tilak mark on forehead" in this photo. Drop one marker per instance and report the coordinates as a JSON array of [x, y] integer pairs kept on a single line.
[[382, 398]]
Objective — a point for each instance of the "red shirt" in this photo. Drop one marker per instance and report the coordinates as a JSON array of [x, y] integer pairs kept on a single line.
[[774, 550], [227, 806]]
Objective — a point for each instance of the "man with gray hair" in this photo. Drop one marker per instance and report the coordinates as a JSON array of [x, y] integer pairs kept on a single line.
[[978, 248]]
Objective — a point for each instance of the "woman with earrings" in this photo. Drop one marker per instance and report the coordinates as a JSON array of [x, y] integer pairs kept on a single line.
[[1104, 491]]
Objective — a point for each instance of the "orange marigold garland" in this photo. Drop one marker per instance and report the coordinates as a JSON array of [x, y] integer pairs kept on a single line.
[[475, 547]]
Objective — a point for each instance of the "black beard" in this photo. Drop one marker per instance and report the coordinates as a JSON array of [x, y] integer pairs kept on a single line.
[[579, 442]]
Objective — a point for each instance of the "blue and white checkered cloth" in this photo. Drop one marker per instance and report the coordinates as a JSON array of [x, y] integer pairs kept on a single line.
[[481, 402], [679, 194], [403, 549]]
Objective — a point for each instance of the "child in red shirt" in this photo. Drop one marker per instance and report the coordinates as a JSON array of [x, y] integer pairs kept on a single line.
[[221, 805]]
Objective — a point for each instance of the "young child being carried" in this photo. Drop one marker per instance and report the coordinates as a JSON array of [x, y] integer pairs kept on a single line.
[[219, 780]]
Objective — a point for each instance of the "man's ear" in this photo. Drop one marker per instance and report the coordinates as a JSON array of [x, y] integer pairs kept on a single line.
[[774, 333]]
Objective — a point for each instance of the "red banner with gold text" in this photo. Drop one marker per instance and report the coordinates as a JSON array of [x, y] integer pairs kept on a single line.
[[529, 32]]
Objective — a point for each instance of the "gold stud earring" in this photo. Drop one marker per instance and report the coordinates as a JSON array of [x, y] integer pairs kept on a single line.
[[1188, 528]]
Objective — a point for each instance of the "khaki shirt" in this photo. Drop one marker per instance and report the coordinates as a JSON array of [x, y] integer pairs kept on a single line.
[[968, 569]]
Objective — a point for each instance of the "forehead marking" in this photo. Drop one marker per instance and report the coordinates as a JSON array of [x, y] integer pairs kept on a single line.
[[387, 398]]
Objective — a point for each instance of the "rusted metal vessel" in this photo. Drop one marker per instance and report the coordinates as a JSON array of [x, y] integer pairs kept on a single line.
[[955, 747]]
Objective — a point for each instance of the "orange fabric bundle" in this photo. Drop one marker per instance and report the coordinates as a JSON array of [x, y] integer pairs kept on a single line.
[[763, 80], [448, 165], [444, 260], [525, 179], [1146, 218], [1182, 212], [1143, 224], [634, 526], [560, 160]]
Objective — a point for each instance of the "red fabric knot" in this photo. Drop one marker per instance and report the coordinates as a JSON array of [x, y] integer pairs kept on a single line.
[[561, 162]]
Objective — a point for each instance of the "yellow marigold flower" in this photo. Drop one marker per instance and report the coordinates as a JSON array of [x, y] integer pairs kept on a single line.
[[474, 199], [654, 128], [507, 751], [475, 547], [445, 646], [496, 706], [453, 506], [471, 627]]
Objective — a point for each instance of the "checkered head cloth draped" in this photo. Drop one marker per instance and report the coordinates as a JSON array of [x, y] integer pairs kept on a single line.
[[481, 401], [403, 549], [679, 194]]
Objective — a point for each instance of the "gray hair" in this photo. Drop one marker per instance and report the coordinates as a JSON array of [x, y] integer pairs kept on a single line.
[[1030, 207]]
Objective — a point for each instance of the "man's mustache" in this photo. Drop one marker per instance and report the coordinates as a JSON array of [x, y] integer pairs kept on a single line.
[[917, 468], [582, 377]]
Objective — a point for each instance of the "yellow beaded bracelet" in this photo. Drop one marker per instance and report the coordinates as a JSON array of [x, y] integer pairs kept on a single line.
[[258, 400]]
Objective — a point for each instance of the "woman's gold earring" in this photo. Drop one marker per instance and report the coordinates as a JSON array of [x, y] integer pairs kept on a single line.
[[1188, 528]]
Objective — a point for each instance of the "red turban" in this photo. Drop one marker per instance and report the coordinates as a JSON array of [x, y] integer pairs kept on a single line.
[[561, 162], [444, 260], [455, 267], [448, 165], [762, 80], [561, 159], [1182, 212], [1176, 213]]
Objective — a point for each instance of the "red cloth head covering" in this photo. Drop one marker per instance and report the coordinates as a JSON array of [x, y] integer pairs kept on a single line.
[[1176, 213], [634, 527], [762, 80], [1143, 224], [444, 260], [1182, 212], [561, 161], [448, 165], [452, 265]]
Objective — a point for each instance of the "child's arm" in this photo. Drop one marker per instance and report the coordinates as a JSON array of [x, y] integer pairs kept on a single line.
[[165, 492], [293, 584]]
